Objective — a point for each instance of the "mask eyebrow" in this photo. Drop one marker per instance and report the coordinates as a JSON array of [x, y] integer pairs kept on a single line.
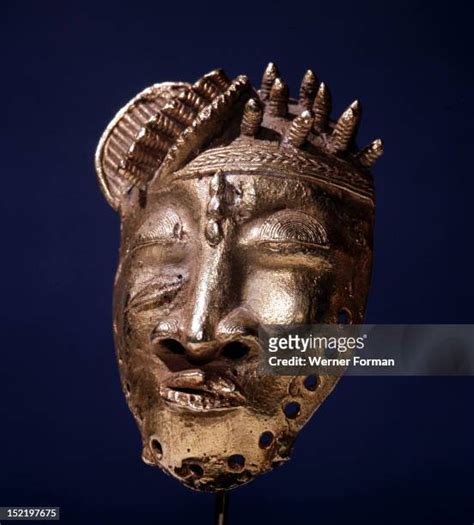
[[165, 228], [291, 226]]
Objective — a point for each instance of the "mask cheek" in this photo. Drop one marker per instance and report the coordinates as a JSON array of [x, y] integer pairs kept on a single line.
[[280, 296]]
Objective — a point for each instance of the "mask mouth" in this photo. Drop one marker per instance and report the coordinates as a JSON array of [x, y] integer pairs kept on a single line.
[[201, 391]]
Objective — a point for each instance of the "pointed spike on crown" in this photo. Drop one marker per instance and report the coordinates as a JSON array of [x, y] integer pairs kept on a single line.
[[356, 106], [322, 107], [308, 89], [357, 109], [345, 129], [299, 129], [252, 118], [270, 74], [368, 156], [278, 101]]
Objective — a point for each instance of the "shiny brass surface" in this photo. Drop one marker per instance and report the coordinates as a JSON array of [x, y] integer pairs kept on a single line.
[[238, 208]]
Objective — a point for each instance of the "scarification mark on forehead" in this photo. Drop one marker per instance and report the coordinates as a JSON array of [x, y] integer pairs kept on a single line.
[[216, 208]]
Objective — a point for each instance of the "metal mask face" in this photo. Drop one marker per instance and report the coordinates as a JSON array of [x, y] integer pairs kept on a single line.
[[238, 209]]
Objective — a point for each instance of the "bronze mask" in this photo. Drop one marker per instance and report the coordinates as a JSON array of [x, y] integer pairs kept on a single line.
[[238, 208]]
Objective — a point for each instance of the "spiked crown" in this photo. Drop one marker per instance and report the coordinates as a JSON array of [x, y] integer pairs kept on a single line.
[[179, 130]]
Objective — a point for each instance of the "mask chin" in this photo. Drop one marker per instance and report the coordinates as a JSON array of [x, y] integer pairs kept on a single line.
[[225, 448], [220, 450]]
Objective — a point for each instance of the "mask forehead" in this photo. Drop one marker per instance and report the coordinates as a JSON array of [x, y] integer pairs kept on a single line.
[[243, 197]]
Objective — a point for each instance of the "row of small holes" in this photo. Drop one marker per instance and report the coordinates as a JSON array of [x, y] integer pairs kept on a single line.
[[197, 470], [344, 316], [157, 449], [311, 382], [292, 409], [236, 462], [266, 439]]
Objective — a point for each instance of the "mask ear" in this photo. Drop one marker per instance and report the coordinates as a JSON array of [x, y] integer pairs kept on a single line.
[[115, 180]]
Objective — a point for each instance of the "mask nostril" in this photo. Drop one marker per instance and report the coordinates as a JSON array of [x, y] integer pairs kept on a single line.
[[172, 346], [235, 350]]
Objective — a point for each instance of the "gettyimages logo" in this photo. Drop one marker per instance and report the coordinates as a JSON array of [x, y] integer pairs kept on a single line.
[[311, 342], [401, 350]]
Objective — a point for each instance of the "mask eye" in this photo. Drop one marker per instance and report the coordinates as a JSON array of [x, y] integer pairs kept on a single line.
[[167, 228], [290, 227]]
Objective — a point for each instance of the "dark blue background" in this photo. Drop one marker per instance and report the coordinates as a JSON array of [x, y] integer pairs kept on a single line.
[[379, 450]]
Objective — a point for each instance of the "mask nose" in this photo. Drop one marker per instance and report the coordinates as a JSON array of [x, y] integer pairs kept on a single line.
[[214, 287], [207, 330], [173, 352], [201, 353], [173, 347], [240, 322], [235, 339]]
